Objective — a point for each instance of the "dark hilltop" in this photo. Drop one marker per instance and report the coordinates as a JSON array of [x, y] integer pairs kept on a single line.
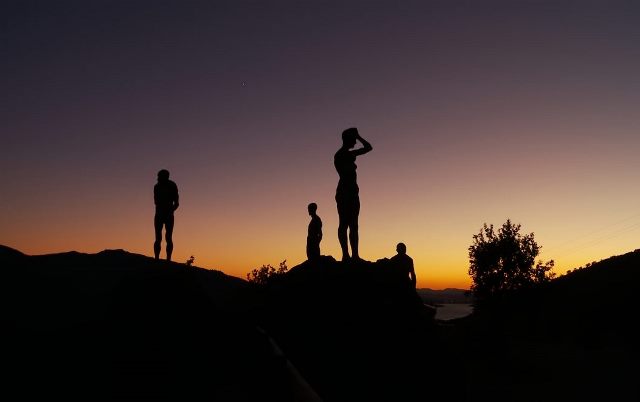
[[121, 326]]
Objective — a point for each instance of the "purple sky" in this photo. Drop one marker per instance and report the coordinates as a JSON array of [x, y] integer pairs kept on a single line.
[[477, 111]]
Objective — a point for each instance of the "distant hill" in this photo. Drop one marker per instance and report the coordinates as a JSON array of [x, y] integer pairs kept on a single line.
[[122, 326], [597, 302], [575, 338], [449, 295], [590, 304], [9, 254]]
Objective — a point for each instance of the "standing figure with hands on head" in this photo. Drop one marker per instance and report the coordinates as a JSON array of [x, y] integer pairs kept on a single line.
[[347, 198], [165, 196]]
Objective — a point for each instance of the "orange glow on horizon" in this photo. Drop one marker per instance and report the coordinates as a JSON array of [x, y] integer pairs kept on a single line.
[[475, 114]]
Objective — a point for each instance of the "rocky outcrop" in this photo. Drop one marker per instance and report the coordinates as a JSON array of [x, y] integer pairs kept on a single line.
[[355, 332]]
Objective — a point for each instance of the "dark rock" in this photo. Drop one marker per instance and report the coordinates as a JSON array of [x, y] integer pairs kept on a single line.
[[355, 332]]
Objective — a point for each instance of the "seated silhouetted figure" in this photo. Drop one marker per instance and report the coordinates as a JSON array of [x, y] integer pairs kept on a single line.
[[403, 266], [165, 196], [314, 235]]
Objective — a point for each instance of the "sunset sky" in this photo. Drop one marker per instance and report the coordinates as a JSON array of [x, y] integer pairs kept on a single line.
[[477, 111]]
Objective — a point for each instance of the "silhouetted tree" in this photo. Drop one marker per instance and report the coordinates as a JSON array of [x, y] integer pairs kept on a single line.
[[505, 260], [266, 273]]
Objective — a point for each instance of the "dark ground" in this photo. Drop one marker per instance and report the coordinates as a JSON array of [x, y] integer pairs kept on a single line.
[[119, 326], [575, 339]]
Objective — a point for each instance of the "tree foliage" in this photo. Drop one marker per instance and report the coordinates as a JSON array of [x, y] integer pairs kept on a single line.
[[266, 273], [505, 260]]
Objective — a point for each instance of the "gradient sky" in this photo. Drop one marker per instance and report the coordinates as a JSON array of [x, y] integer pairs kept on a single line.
[[478, 111]]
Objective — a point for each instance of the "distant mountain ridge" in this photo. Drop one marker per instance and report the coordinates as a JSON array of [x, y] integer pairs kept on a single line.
[[572, 339], [10, 253], [589, 303], [443, 296]]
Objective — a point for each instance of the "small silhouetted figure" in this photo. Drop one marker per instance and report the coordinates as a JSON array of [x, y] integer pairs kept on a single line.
[[165, 196], [347, 198], [314, 234], [404, 264]]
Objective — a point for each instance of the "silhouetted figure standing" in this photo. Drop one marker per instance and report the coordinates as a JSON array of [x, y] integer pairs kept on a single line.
[[404, 266], [347, 198], [314, 234], [165, 196]]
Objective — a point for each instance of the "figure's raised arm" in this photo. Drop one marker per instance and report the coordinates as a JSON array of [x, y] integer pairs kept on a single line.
[[366, 147]]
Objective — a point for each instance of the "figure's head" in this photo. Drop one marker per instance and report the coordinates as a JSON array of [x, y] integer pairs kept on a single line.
[[163, 175], [401, 248], [313, 207], [349, 137]]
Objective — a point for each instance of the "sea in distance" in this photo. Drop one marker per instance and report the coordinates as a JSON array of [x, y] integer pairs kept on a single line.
[[450, 311]]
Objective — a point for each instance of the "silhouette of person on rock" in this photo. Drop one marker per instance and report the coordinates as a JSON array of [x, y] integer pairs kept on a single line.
[[314, 234], [347, 199], [403, 264], [165, 196]]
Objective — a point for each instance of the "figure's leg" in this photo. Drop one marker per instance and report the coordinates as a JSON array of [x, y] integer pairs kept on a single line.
[[353, 228], [157, 224], [313, 250], [353, 238], [169, 236], [342, 236]]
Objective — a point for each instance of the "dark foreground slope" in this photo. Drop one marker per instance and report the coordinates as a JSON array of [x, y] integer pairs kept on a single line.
[[574, 339], [358, 336], [119, 326]]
